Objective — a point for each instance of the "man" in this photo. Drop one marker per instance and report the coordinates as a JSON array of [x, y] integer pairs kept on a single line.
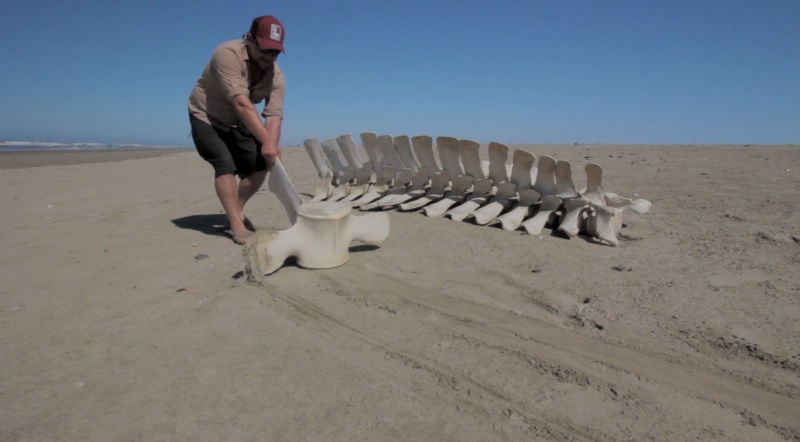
[[226, 127]]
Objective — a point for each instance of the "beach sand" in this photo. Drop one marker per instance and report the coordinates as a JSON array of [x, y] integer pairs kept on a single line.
[[123, 314]]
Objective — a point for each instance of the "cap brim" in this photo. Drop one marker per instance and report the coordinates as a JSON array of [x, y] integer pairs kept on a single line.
[[268, 43]]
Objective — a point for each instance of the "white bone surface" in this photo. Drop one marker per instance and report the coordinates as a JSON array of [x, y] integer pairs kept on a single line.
[[389, 152], [545, 176], [403, 145], [594, 185], [512, 219], [616, 201], [573, 211], [449, 155], [458, 190], [535, 224], [521, 166], [565, 186], [370, 142], [401, 181], [348, 147], [338, 165], [280, 185], [481, 193], [500, 202], [605, 224], [320, 239], [498, 162], [317, 157], [439, 182], [471, 159], [423, 148], [417, 189]]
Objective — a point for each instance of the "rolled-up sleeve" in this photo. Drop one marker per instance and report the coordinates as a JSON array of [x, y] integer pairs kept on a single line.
[[231, 72], [274, 105]]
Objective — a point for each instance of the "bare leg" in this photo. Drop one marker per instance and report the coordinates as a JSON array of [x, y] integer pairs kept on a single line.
[[228, 192], [248, 187]]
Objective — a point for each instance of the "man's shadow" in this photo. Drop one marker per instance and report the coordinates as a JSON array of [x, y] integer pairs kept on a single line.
[[210, 224]]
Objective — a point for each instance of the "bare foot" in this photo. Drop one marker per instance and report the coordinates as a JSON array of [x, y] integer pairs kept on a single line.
[[243, 238]]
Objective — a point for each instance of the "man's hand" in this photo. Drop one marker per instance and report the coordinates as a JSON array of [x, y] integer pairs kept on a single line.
[[267, 133]]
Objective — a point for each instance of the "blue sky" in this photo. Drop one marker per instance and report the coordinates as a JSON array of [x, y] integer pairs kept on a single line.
[[514, 71]]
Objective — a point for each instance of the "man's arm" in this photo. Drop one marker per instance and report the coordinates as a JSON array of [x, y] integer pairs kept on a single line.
[[268, 133]]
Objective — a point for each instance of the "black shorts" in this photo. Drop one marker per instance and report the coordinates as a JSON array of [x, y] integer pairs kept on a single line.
[[231, 150]]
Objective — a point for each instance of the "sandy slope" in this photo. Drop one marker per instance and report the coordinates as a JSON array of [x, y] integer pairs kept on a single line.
[[114, 327]]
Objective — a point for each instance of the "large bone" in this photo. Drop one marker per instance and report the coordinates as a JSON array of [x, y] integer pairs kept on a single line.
[[340, 169], [449, 155], [370, 142], [594, 185], [545, 177], [323, 169], [361, 185], [616, 201], [401, 181], [481, 193], [403, 145], [512, 219], [471, 159], [605, 224], [521, 165], [498, 158], [439, 183], [457, 193], [423, 148], [571, 222], [417, 189], [565, 187], [389, 152], [377, 189], [350, 151], [280, 185], [544, 216], [501, 201], [320, 239]]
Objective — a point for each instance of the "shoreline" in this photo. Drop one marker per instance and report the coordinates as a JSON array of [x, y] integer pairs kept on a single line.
[[39, 158]]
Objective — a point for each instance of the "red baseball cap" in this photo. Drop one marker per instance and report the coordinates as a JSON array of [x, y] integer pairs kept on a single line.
[[268, 31]]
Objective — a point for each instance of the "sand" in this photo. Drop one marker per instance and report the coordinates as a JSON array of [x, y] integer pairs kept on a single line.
[[123, 314]]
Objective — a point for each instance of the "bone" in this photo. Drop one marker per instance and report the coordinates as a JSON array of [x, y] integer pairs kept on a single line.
[[545, 177], [317, 157], [439, 183], [449, 155], [565, 187], [573, 216], [389, 152], [470, 158], [521, 165], [377, 189], [547, 210], [403, 145], [417, 189], [512, 219], [499, 203], [423, 148], [616, 201], [399, 192], [361, 184], [324, 190], [457, 193], [341, 173], [498, 159], [348, 147], [605, 224], [320, 239], [370, 142], [594, 185], [401, 181], [481, 193], [282, 187]]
